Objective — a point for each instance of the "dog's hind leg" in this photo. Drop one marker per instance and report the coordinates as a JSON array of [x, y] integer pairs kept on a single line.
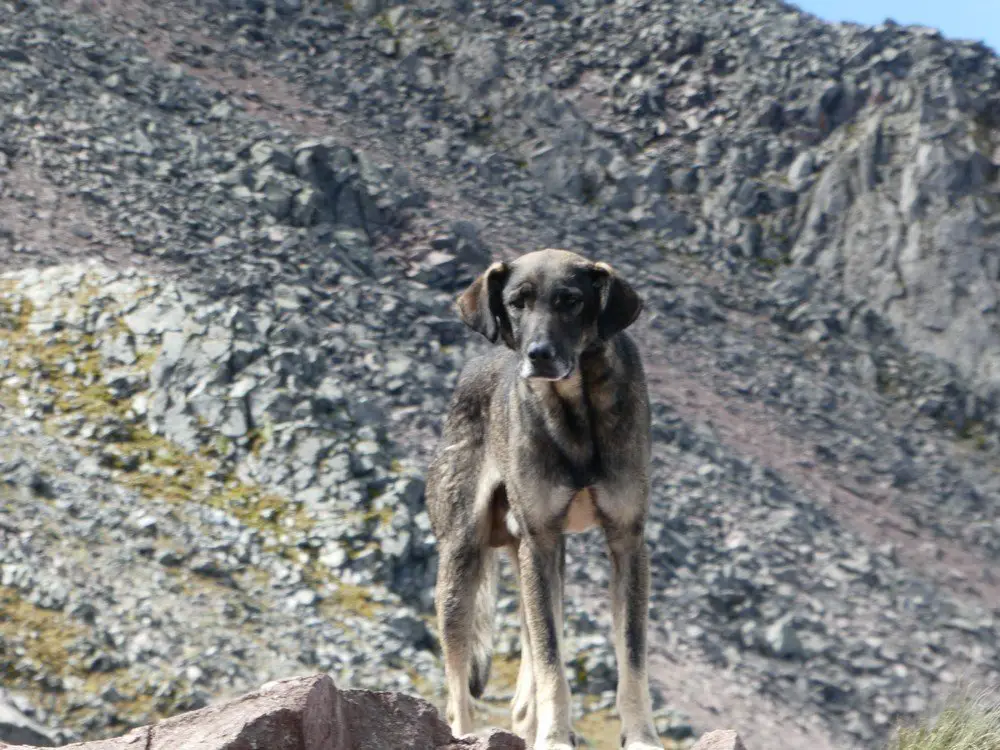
[[561, 593], [460, 568], [629, 605], [484, 614]]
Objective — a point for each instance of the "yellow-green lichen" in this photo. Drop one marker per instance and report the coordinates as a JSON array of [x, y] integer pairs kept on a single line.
[[63, 367], [144, 461], [33, 636], [354, 599], [39, 645]]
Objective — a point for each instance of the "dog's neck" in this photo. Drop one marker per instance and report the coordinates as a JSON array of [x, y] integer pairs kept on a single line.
[[596, 354], [592, 372], [569, 389], [577, 408]]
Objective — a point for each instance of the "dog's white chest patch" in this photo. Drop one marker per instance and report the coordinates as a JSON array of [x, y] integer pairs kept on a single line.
[[582, 512]]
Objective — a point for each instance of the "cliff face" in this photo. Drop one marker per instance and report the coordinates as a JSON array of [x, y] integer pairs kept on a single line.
[[231, 234]]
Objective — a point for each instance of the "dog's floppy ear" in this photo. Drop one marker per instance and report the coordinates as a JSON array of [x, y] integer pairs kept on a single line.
[[481, 305], [620, 303]]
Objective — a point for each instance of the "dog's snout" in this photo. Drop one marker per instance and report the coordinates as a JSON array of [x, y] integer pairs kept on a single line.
[[541, 352], [542, 359]]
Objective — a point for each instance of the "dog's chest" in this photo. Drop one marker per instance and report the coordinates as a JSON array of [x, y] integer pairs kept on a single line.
[[578, 516], [566, 431], [569, 451], [581, 513]]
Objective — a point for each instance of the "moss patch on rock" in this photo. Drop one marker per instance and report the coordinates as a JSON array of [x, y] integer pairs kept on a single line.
[[41, 655], [62, 373], [64, 370]]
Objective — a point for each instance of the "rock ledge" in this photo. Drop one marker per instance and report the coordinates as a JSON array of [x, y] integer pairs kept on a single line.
[[304, 713]]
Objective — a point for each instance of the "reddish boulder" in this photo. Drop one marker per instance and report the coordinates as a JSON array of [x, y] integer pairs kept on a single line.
[[137, 739], [295, 714], [304, 713], [390, 720], [491, 739], [722, 739]]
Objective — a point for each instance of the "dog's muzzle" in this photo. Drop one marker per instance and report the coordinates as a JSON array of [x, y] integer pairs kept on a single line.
[[540, 361]]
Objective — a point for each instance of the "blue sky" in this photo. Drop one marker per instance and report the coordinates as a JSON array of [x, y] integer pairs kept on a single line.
[[962, 19]]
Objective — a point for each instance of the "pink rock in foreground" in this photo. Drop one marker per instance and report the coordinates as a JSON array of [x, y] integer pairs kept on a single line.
[[722, 739], [492, 739], [137, 739], [378, 719], [304, 713]]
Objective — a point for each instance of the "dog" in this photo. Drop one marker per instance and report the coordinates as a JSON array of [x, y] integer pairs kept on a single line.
[[547, 434]]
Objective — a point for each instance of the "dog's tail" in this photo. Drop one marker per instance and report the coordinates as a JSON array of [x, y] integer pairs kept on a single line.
[[484, 611]]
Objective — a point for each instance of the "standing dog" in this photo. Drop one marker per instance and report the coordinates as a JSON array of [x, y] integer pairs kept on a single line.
[[548, 434]]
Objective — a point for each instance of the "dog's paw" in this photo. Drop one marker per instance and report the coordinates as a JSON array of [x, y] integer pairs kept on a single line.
[[541, 744]]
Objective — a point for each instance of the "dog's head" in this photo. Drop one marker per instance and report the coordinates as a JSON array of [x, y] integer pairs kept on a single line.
[[549, 306]]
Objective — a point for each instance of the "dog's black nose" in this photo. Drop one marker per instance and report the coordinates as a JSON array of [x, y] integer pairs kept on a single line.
[[539, 352]]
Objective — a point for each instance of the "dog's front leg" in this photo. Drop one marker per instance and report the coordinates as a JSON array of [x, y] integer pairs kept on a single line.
[[538, 558], [629, 607], [523, 704]]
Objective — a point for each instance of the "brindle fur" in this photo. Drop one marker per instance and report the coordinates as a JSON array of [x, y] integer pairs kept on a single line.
[[533, 448]]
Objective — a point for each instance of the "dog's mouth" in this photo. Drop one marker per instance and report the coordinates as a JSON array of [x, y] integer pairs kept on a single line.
[[546, 370]]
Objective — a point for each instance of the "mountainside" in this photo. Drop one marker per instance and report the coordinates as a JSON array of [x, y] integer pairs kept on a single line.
[[231, 233]]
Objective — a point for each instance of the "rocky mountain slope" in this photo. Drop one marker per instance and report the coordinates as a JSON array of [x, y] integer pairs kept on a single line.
[[231, 231]]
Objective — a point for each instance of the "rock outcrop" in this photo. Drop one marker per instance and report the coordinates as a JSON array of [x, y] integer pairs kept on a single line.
[[720, 739], [305, 713]]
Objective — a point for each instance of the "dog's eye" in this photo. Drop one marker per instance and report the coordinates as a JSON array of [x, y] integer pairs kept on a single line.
[[566, 301], [517, 302]]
